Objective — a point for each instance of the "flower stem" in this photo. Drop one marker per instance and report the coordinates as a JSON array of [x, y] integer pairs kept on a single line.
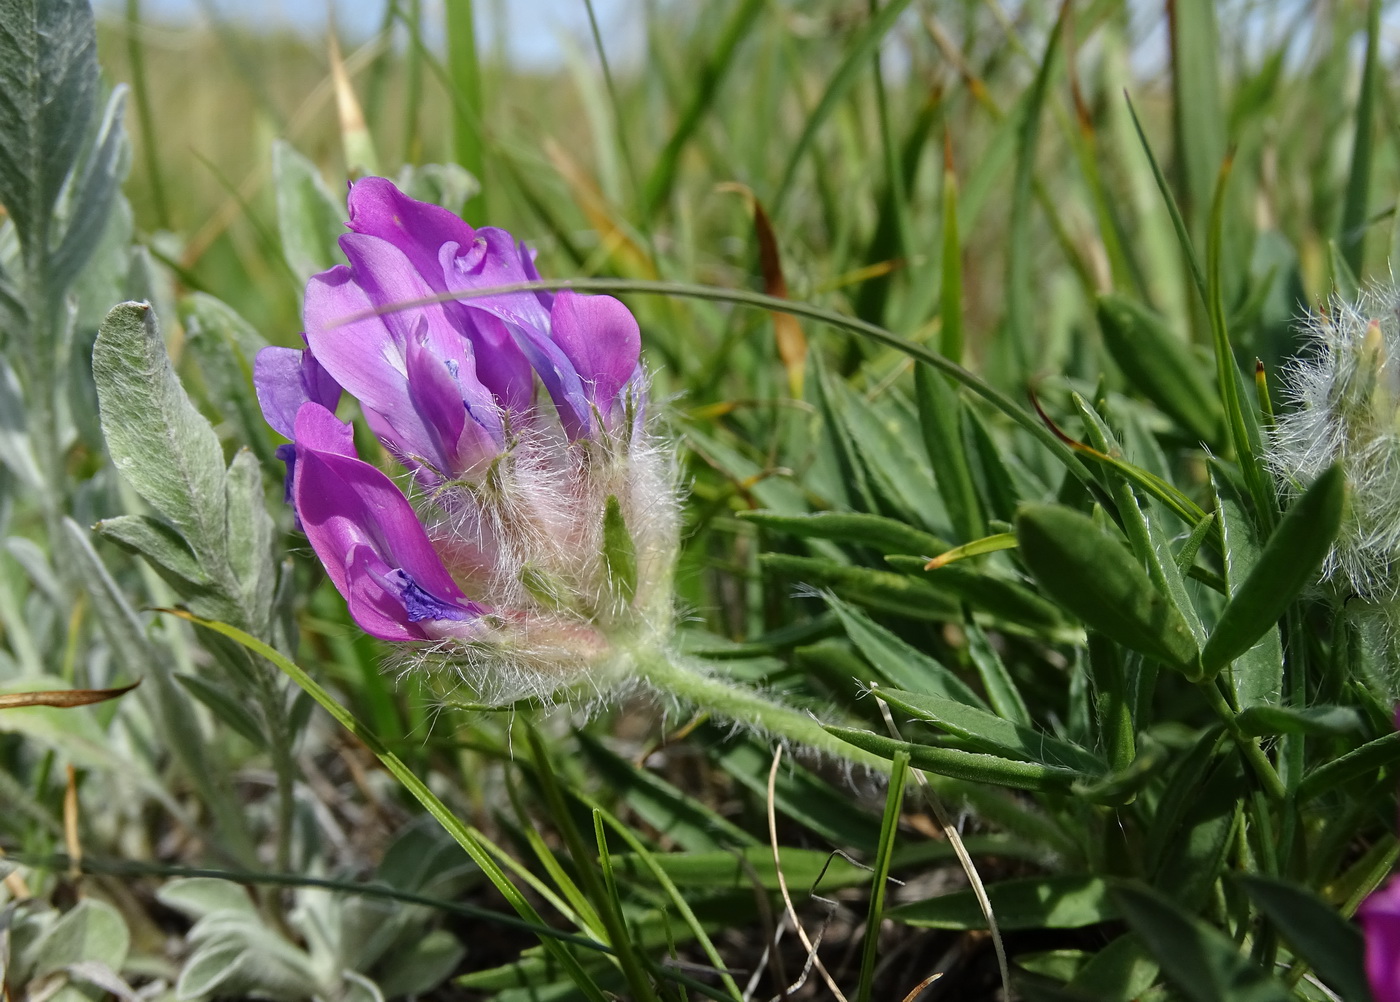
[[690, 680]]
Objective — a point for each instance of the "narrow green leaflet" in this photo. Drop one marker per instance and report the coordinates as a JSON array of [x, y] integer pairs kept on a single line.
[[1059, 902], [1257, 674], [897, 662], [1201, 961], [958, 764], [1287, 565], [992, 733], [1332, 945], [1160, 366], [1094, 577]]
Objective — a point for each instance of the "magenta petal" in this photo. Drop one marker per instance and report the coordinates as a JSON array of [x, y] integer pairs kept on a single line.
[[490, 260], [601, 338], [368, 360], [345, 504], [418, 229], [374, 607], [286, 378], [321, 431], [1380, 918]]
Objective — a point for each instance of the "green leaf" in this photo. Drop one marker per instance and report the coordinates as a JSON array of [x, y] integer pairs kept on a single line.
[[1355, 209], [160, 443], [226, 706], [959, 764], [94, 191], [798, 792], [897, 662], [940, 420], [855, 60], [1257, 674], [676, 815], [249, 541], [1006, 600], [882, 590], [1060, 902], [1287, 565], [1161, 366], [711, 74], [1201, 961], [48, 92], [309, 218], [1193, 853], [197, 897], [93, 932], [1269, 720], [165, 548], [886, 535], [889, 829], [1001, 688], [1094, 577], [619, 551], [1333, 946], [993, 734], [1367, 760], [422, 965], [1120, 972], [224, 345], [1021, 327]]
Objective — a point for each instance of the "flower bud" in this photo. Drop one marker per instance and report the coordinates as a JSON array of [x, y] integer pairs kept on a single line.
[[537, 538]]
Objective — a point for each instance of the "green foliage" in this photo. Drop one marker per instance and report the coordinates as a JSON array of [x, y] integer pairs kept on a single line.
[[1204, 831]]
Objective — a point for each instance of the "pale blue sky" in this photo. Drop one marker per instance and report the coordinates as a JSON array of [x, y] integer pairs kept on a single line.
[[531, 30]]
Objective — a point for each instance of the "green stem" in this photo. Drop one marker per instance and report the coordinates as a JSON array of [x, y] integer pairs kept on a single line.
[[690, 680], [1249, 747]]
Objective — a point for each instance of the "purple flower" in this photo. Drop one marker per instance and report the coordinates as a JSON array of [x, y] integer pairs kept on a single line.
[[1380, 918], [510, 492], [369, 538]]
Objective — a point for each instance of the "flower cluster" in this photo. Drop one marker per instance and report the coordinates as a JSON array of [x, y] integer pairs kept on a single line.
[[535, 540], [1347, 390]]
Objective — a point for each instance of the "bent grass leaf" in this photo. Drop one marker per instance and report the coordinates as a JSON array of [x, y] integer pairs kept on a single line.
[[887, 535], [1094, 577]]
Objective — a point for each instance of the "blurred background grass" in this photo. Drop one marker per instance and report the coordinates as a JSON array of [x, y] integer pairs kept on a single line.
[[575, 165]]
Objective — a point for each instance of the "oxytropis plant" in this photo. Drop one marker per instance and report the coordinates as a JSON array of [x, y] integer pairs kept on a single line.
[[531, 551], [535, 544]]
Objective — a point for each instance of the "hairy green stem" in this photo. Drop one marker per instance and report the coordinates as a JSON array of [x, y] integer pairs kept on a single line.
[[691, 680]]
